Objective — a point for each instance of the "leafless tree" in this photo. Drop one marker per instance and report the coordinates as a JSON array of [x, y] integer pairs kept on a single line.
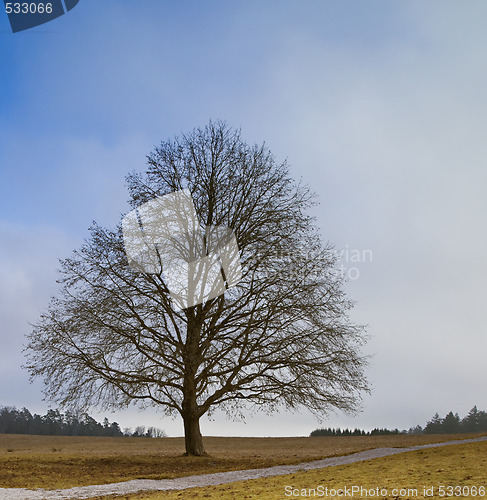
[[155, 432], [281, 338]]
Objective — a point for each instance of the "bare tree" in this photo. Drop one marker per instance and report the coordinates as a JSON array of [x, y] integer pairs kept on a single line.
[[281, 338], [155, 432]]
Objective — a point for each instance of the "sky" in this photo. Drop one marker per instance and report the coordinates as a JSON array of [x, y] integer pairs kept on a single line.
[[379, 106]]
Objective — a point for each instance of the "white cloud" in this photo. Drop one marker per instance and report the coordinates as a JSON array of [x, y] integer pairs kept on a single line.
[[28, 262], [390, 134]]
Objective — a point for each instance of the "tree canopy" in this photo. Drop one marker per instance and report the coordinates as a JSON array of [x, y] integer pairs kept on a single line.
[[281, 338]]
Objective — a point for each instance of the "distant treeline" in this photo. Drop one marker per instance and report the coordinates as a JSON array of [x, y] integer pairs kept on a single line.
[[474, 421], [55, 423], [353, 432]]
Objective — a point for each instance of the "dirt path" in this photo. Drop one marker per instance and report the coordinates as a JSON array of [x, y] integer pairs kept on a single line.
[[182, 483]]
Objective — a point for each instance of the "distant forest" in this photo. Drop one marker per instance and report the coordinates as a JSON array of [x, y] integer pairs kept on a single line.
[[474, 421], [55, 423]]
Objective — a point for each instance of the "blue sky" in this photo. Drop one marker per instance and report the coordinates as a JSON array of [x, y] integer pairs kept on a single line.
[[379, 106]]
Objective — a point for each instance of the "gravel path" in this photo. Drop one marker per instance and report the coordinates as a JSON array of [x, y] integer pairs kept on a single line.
[[182, 483]]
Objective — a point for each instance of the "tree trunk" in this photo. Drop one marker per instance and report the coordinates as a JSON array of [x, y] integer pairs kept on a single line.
[[190, 412], [192, 436]]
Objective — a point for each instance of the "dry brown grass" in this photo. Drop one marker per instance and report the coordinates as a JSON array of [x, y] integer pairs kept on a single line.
[[464, 466], [61, 462]]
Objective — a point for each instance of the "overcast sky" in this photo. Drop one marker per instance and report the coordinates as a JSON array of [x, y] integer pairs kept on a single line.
[[381, 107]]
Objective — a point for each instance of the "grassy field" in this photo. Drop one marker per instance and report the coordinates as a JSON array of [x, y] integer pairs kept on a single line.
[[61, 462], [464, 466]]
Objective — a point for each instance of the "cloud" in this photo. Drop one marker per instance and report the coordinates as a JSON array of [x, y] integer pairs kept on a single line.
[[28, 262], [383, 115], [391, 139]]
